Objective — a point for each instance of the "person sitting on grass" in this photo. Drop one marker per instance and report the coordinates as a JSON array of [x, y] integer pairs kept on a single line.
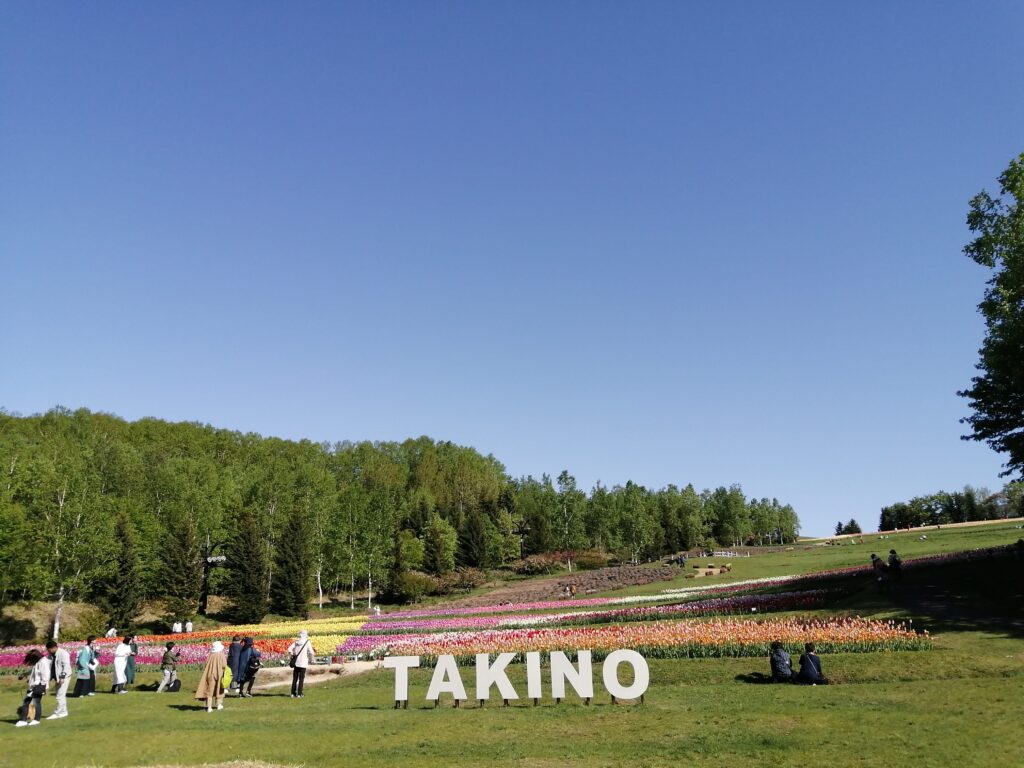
[[810, 667], [781, 664]]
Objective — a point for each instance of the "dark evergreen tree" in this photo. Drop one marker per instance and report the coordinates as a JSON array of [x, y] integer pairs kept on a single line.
[[181, 574], [472, 540], [248, 571], [852, 527], [840, 528], [292, 585], [122, 596]]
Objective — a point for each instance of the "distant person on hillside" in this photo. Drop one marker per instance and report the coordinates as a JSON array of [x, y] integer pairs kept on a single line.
[[112, 632], [188, 625], [211, 683], [86, 661], [781, 664], [301, 657], [176, 628], [895, 565], [168, 667], [881, 570], [810, 667]]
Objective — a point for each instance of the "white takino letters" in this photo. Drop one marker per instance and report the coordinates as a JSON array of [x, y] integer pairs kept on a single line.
[[401, 665], [581, 679], [641, 674], [446, 679], [486, 676], [533, 681]]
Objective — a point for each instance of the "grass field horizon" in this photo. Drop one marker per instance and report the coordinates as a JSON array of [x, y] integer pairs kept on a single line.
[[956, 704]]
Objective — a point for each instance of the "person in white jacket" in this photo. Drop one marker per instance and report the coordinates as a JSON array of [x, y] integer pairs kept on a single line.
[[121, 654], [38, 678], [62, 678], [302, 651]]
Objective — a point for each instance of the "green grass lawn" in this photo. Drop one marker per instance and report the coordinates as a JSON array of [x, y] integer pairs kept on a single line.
[[956, 705]]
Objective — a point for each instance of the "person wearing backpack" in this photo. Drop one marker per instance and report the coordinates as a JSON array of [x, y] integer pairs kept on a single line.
[[301, 657], [253, 662], [169, 668]]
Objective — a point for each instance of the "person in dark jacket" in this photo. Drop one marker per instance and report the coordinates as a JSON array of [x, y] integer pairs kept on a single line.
[[251, 667], [895, 565], [233, 651], [781, 664], [810, 667], [169, 668]]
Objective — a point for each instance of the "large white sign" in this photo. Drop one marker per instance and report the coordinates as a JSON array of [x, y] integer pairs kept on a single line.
[[579, 677]]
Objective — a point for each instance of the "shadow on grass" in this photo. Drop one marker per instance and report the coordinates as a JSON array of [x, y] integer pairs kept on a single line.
[[983, 594], [756, 678]]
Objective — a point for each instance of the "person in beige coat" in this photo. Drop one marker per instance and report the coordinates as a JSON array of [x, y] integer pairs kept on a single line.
[[211, 688]]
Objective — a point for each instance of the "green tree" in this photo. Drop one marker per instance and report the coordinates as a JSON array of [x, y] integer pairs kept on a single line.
[[440, 545], [181, 573], [997, 395], [292, 582], [248, 570], [121, 593], [852, 527]]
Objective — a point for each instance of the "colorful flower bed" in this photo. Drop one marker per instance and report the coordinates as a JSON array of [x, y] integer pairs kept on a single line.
[[664, 639]]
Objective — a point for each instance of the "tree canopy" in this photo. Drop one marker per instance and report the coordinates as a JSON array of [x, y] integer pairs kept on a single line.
[[997, 395]]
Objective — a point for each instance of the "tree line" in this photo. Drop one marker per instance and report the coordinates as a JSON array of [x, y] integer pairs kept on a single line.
[[964, 506], [93, 507]]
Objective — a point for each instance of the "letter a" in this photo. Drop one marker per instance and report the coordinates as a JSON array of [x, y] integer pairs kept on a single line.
[[446, 679]]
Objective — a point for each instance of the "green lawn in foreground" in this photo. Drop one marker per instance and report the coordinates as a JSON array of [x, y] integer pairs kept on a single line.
[[958, 705]]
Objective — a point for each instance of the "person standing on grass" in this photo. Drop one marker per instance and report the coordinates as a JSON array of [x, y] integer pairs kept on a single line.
[[62, 676], [781, 664], [302, 656], [188, 625], [233, 651], [168, 667], [121, 654], [38, 678], [810, 667], [252, 666], [129, 668], [86, 661], [881, 570], [211, 683]]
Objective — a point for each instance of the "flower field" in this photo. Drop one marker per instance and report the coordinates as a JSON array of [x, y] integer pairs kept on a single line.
[[698, 621]]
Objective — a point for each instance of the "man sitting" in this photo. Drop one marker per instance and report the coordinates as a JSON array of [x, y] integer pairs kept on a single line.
[[810, 667]]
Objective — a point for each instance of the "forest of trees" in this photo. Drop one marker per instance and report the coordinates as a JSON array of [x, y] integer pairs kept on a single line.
[[118, 513], [946, 507]]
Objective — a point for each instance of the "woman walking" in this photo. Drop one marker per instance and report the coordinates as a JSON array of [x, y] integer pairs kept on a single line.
[[121, 654], [38, 679], [302, 656], [86, 661], [211, 683]]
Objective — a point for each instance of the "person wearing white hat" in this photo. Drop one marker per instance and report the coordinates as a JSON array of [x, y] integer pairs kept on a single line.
[[301, 657], [211, 683]]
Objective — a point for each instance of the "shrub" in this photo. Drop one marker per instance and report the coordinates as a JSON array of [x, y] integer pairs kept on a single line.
[[411, 586], [591, 559], [536, 564], [462, 580]]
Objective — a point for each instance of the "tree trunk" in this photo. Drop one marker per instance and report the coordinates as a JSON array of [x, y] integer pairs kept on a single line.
[[57, 614], [319, 589]]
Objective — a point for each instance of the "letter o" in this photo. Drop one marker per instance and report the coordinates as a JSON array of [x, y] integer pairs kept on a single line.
[[641, 674]]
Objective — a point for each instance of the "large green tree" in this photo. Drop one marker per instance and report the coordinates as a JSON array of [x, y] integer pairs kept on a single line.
[[997, 395]]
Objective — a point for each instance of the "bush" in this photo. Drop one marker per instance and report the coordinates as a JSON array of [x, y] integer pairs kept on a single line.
[[411, 586], [591, 559], [537, 564], [90, 621], [462, 580]]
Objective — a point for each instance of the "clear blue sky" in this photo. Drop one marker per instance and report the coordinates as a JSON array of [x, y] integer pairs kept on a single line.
[[668, 242]]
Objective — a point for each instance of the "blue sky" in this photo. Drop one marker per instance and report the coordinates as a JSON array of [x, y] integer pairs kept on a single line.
[[668, 242]]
